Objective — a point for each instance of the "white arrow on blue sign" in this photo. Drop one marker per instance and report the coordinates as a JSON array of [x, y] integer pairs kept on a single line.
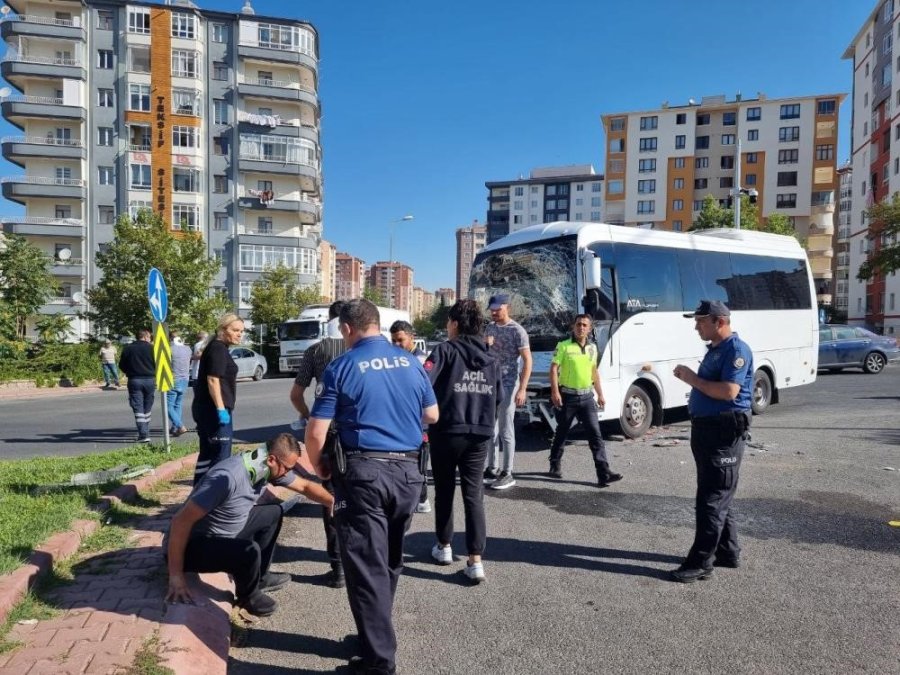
[[157, 295]]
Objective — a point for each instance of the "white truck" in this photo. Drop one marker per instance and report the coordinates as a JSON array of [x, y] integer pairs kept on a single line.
[[297, 335]]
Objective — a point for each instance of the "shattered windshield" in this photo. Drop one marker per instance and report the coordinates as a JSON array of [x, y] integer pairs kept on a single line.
[[540, 280], [298, 330]]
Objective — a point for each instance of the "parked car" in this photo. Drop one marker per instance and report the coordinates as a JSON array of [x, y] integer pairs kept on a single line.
[[853, 347], [249, 363]]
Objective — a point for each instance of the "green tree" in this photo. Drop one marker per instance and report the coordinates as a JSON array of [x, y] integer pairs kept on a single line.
[[119, 300], [778, 223], [373, 294], [712, 215], [276, 297], [424, 327], [439, 316], [885, 217], [25, 283], [53, 328]]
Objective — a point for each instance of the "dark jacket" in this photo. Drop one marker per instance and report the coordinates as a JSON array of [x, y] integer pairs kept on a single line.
[[137, 360], [466, 381]]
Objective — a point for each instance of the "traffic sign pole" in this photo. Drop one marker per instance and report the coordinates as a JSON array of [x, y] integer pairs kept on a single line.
[[158, 298]]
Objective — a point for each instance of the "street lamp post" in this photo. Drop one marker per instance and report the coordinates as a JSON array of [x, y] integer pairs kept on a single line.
[[390, 297]]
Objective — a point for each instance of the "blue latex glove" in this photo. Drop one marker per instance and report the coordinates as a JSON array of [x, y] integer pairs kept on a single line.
[[224, 416]]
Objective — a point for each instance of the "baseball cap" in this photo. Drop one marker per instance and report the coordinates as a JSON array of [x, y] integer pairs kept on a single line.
[[714, 308], [497, 300]]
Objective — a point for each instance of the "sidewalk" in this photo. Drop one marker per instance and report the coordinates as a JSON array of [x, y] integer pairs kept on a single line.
[[27, 390], [115, 607]]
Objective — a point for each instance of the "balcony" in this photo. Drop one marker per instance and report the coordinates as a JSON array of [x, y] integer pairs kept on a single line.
[[59, 305], [73, 267], [821, 267], [43, 227], [31, 25], [250, 123], [21, 188], [256, 201], [17, 109], [282, 90], [14, 67], [19, 148], [268, 52], [843, 260]]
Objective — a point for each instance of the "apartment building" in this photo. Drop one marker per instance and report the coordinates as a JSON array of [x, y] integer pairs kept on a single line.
[[875, 153], [327, 270], [394, 281], [549, 194], [661, 164], [469, 241], [422, 304], [843, 217], [445, 297], [209, 118], [349, 277]]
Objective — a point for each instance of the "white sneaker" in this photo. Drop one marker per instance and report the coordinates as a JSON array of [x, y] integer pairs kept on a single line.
[[443, 556], [423, 507], [474, 572]]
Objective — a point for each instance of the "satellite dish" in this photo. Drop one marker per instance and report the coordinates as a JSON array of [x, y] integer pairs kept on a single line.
[[4, 10], [6, 91], [78, 297], [64, 253]]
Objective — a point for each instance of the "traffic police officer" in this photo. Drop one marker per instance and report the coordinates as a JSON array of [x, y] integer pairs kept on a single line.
[[573, 380], [719, 406], [379, 397]]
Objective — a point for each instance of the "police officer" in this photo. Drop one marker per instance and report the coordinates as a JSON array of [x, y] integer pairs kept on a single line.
[[719, 406], [379, 397], [573, 380]]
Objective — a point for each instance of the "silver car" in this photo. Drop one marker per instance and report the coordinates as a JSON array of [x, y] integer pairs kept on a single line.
[[249, 363]]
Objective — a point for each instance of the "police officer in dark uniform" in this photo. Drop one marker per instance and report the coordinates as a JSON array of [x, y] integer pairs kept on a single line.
[[719, 407], [379, 397]]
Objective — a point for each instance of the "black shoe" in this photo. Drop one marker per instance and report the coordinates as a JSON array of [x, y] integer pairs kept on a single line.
[[733, 563], [555, 471], [608, 478], [274, 580], [688, 575], [258, 604], [491, 474], [357, 664], [336, 578]]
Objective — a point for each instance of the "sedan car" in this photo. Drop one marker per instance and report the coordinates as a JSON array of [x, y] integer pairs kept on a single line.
[[249, 363], [853, 347]]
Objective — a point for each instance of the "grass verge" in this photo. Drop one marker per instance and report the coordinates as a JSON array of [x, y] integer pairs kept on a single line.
[[27, 519], [31, 608], [147, 660]]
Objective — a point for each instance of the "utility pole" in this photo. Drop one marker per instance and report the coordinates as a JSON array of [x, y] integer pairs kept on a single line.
[[736, 188]]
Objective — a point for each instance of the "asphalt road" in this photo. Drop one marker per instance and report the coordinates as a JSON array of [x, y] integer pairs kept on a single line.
[[577, 577]]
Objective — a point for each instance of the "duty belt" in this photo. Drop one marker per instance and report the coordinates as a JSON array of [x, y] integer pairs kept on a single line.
[[385, 455], [575, 392]]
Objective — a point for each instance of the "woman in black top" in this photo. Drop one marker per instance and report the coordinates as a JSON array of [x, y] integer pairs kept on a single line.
[[214, 395], [466, 381]]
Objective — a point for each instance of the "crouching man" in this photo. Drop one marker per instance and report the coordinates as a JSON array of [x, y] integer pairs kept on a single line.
[[221, 528]]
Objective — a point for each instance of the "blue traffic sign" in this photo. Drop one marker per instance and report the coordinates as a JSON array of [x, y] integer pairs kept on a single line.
[[157, 295]]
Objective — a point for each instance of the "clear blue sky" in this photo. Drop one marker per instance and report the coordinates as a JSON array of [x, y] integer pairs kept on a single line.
[[423, 102]]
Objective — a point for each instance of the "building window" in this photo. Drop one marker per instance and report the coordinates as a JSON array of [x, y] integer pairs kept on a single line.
[[220, 145], [726, 162], [649, 123], [729, 119], [617, 145], [646, 165], [826, 107], [698, 204], [679, 162], [786, 201], [138, 58], [219, 32], [139, 97], [617, 124], [645, 187], [701, 163], [184, 63], [278, 149], [579, 201], [140, 177], [615, 187], [186, 102], [788, 156], [104, 59], [220, 111], [677, 225], [220, 222], [139, 20], [788, 134], [728, 139], [680, 141], [701, 183], [646, 206], [595, 216], [106, 215], [104, 19], [105, 98], [534, 189], [726, 182], [787, 178], [185, 180], [754, 114], [751, 158], [595, 187], [220, 71], [680, 118], [579, 187], [701, 142], [106, 175], [256, 258], [647, 144], [824, 152], [517, 204], [534, 203], [220, 184], [184, 137], [519, 191], [702, 119], [184, 25], [678, 205], [595, 201], [185, 217], [264, 225], [790, 111], [678, 184], [752, 134], [750, 179]]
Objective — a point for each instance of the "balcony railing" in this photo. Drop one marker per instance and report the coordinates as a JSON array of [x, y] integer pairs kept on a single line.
[[269, 82], [139, 148], [38, 220], [43, 180], [71, 262], [21, 98], [44, 140], [46, 60], [46, 20]]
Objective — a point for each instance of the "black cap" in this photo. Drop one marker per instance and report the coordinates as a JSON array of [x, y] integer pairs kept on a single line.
[[714, 308], [497, 300]]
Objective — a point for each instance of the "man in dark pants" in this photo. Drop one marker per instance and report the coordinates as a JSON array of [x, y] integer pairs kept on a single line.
[[221, 528], [139, 367], [379, 397], [719, 406], [311, 368], [573, 380]]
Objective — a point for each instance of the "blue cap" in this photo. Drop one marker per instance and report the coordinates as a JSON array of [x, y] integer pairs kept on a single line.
[[714, 308], [498, 300]]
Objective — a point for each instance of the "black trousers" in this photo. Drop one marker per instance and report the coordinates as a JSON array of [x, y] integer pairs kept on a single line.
[[717, 444], [584, 408], [373, 506], [331, 534], [215, 439], [246, 557], [467, 452]]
